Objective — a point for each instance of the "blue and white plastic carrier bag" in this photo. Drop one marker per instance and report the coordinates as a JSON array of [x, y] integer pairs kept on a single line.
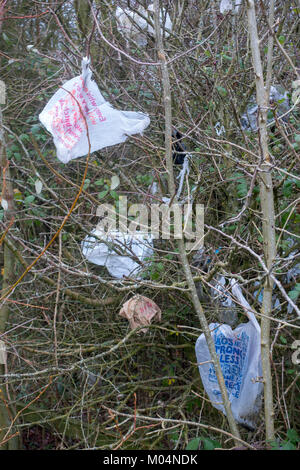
[[239, 354], [78, 104]]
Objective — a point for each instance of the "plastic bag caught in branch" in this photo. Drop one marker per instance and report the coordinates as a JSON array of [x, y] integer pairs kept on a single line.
[[118, 251], [79, 103], [140, 311], [239, 354]]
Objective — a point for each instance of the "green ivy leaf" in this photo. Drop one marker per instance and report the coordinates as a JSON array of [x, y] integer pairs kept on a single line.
[[29, 199], [102, 194], [210, 444], [193, 444], [293, 436], [283, 339]]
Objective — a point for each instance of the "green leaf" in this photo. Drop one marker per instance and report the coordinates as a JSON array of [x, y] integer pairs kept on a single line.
[[283, 339], [242, 189], [102, 194], [29, 199], [227, 57], [174, 437], [114, 195], [222, 91], [24, 138], [86, 183], [287, 445], [210, 444], [281, 39], [293, 436], [294, 294], [274, 445], [193, 444], [35, 129]]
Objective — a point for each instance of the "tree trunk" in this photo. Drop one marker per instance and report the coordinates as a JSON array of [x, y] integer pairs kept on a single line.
[[186, 267], [8, 274], [268, 223]]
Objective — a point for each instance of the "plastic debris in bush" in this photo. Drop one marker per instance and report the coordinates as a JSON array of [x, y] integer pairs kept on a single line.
[[117, 251], [133, 26], [239, 353], [140, 311], [278, 97], [220, 129], [223, 302], [179, 150], [230, 5], [259, 293], [79, 103]]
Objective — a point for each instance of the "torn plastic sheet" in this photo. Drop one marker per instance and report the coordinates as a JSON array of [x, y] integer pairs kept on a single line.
[[239, 354], [140, 311], [117, 251], [133, 26], [79, 103], [278, 96], [229, 5]]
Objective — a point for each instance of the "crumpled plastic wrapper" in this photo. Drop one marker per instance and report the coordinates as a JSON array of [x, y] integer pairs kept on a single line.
[[140, 311]]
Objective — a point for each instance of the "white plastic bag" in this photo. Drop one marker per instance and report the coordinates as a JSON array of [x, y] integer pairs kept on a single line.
[[229, 5], [63, 118], [133, 26], [117, 251], [239, 354]]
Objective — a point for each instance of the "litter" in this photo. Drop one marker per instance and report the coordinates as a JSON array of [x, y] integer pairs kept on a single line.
[[220, 129], [278, 96], [79, 103], [183, 172], [140, 311], [132, 25], [223, 301], [178, 148], [117, 250], [258, 294], [229, 5], [239, 354]]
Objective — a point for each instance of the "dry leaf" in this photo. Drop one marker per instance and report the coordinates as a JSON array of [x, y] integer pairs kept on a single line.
[[140, 311]]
